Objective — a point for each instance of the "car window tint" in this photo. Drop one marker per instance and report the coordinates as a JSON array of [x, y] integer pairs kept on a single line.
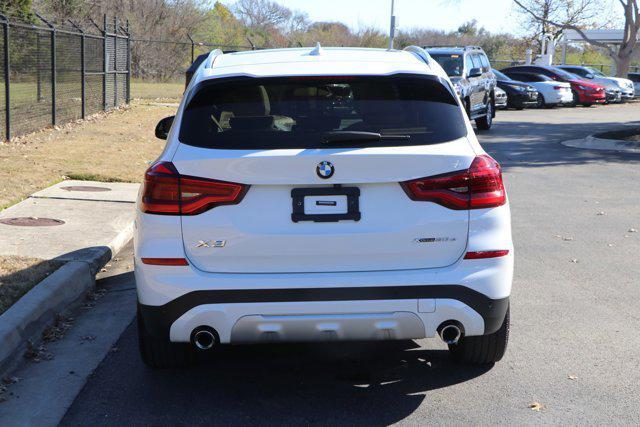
[[468, 63], [450, 63], [477, 63], [521, 77], [579, 71], [485, 61], [299, 112]]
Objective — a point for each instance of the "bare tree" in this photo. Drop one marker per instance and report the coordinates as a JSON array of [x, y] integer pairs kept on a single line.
[[262, 14], [624, 53]]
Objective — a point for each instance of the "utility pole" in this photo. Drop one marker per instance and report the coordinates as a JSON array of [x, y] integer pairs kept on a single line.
[[392, 30]]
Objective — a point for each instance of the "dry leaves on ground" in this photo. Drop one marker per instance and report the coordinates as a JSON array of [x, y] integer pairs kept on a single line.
[[536, 406]]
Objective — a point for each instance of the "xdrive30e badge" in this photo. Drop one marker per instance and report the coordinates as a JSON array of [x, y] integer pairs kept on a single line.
[[325, 170]]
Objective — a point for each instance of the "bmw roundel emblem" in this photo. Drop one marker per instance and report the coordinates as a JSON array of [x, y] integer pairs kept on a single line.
[[325, 170]]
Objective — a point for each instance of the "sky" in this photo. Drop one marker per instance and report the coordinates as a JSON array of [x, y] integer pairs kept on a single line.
[[494, 15]]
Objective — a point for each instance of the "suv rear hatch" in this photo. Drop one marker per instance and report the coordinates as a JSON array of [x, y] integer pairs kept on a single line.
[[320, 160]]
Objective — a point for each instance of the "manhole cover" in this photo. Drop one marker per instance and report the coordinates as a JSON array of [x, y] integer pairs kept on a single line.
[[28, 221], [85, 188]]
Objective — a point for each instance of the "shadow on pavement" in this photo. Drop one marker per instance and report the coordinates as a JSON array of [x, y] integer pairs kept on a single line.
[[535, 144], [365, 383]]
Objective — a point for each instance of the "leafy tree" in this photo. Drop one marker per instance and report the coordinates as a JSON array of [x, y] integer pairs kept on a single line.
[[20, 9]]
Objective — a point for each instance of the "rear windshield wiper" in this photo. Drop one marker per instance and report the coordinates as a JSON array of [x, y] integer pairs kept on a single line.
[[357, 136]]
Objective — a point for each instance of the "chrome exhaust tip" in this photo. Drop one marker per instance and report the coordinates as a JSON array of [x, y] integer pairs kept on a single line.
[[203, 339], [450, 332]]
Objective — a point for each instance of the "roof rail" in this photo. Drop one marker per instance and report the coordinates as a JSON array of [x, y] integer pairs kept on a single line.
[[420, 53], [470, 47]]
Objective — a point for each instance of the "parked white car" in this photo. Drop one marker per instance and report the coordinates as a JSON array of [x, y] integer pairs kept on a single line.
[[635, 78], [302, 196], [551, 93], [501, 98], [591, 74]]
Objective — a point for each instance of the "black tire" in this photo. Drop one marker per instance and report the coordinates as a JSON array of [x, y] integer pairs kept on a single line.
[[483, 349], [541, 103], [485, 122], [162, 354], [586, 104]]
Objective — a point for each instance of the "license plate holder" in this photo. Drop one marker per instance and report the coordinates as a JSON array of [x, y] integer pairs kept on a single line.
[[353, 204]]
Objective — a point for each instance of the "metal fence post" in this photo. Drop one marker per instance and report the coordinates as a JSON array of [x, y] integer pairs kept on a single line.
[[7, 80], [83, 81], [128, 63], [104, 65], [115, 62], [53, 77], [193, 48]]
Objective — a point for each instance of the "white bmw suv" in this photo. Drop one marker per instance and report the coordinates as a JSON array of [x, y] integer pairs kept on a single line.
[[321, 195]]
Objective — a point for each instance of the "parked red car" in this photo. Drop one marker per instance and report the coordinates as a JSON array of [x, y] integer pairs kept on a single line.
[[588, 93], [584, 92]]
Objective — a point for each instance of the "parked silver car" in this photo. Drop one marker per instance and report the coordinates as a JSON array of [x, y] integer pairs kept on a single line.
[[612, 84]]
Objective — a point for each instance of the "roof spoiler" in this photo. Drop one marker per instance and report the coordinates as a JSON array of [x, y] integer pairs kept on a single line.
[[201, 62]]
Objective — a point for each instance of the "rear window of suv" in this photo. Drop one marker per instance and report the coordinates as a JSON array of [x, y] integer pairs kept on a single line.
[[320, 112]]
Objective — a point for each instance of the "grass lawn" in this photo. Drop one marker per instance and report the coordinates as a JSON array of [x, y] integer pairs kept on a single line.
[[141, 89], [116, 146], [18, 275]]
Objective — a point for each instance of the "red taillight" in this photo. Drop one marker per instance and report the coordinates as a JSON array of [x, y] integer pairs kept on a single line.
[[485, 254], [478, 187], [166, 192]]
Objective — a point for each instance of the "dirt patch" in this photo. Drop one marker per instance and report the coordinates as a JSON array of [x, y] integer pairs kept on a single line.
[[116, 146], [631, 135], [18, 275]]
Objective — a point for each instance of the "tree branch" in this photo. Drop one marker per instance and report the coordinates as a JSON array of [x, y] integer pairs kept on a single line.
[[568, 27]]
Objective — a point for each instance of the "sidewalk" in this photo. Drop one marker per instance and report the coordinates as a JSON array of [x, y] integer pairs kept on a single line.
[[79, 223]]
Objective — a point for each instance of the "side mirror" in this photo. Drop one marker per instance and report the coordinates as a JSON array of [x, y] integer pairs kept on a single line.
[[163, 127], [589, 76], [475, 72]]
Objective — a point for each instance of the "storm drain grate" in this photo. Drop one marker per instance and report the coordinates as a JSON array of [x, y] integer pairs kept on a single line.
[[29, 221], [85, 188]]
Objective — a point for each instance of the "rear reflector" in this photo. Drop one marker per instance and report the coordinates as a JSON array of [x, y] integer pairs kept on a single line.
[[485, 254], [165, 261], [478, 187], [166, 192]]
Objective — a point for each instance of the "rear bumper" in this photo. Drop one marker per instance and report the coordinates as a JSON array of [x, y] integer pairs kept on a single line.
[[406, 304], [296, 315], [564, 97]]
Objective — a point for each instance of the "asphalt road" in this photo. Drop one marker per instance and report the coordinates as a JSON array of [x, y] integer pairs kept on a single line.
[[574, 345]]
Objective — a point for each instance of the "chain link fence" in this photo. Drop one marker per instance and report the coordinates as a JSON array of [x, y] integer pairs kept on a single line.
[[52, 74], [167, 60]]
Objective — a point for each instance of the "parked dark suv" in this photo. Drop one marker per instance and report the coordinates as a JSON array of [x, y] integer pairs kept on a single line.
[[470, 72]]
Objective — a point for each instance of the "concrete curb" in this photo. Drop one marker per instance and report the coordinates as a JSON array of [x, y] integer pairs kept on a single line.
[[29, 316], [593, 143]]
